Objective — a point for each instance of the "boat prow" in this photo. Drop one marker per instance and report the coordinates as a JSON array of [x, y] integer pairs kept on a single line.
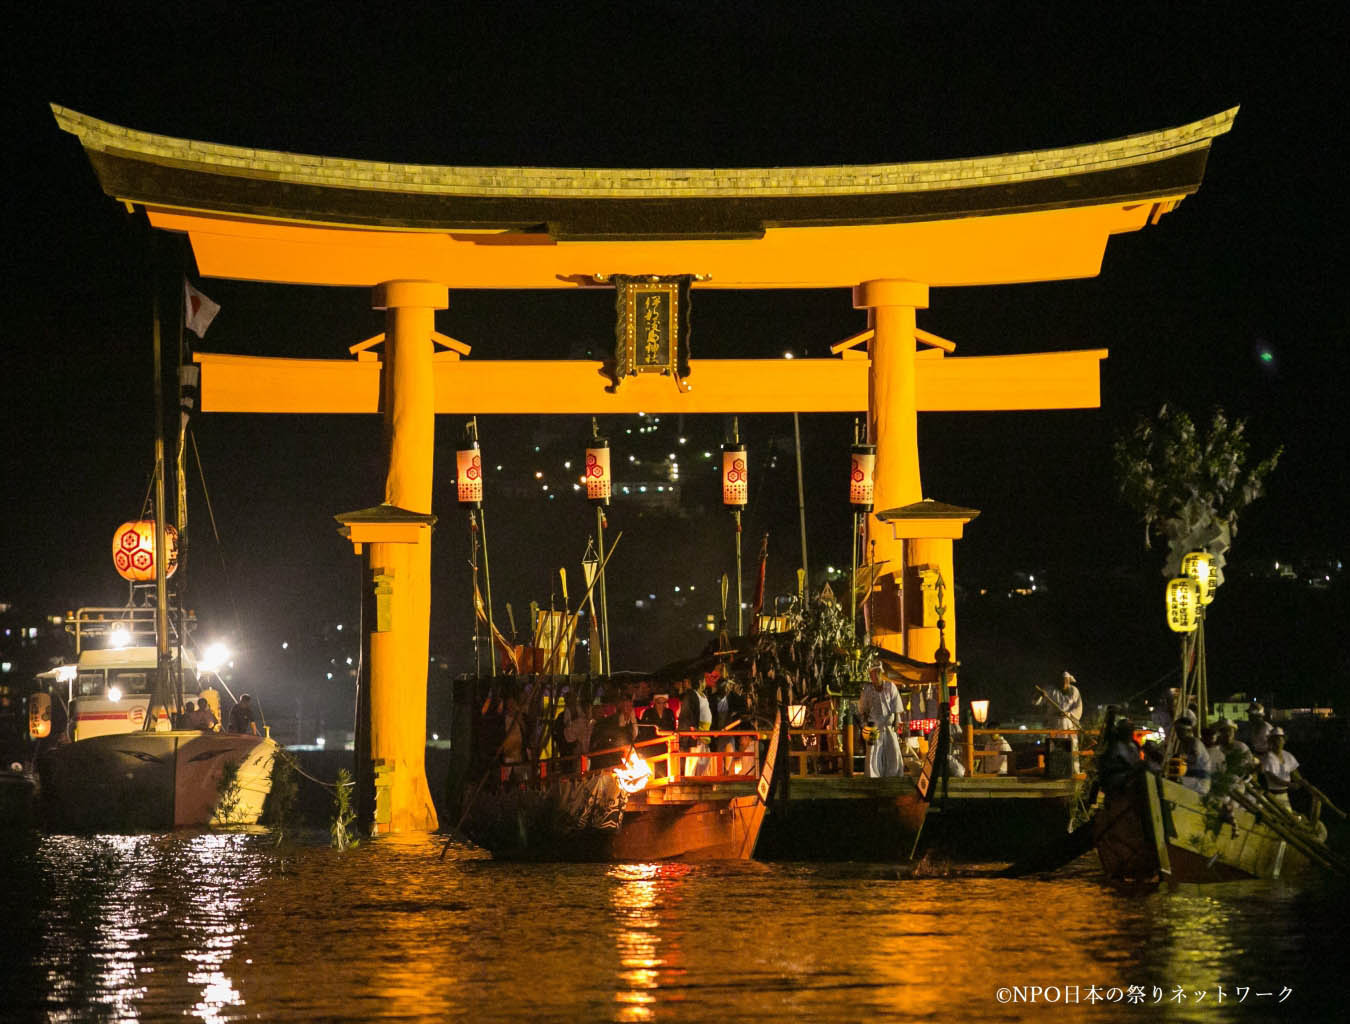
[[150, 781]]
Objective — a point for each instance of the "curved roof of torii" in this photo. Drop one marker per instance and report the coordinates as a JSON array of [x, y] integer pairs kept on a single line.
[[264, 215]]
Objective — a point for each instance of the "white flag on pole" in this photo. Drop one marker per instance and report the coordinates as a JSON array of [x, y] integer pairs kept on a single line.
[[198, 310]]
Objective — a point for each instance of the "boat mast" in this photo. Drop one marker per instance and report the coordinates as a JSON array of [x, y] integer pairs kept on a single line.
[[160, 698]]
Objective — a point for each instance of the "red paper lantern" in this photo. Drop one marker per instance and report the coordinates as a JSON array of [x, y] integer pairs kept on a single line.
[[134, 550], [599, 481], [469, 475], [861, 471], [735, 476]]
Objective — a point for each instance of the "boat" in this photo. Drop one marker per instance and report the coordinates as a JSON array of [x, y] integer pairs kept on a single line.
[[118, 764], [653, 804], [1152, 827]]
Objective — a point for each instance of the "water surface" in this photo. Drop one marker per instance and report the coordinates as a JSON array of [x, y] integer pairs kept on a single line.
[[218, 927]]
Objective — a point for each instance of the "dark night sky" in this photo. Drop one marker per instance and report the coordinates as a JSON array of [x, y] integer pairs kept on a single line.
[[1255, 258]]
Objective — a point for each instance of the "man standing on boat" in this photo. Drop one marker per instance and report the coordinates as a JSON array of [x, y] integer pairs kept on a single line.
[[1279, 770], [879, 709], [1230, 755], [241, 716], [1065, 710], [1258, 729], [1193, 751]]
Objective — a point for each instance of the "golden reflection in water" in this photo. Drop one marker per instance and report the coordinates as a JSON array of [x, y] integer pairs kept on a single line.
[[212, 923], [414, 983], [645, 904], [118, 938]]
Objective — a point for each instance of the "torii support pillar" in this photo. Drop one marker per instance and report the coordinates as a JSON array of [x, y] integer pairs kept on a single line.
[[398, 654], [892, 425]]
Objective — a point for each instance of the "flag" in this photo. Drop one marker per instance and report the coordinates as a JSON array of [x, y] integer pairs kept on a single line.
[[189, 391], [508, 650], [198, 310], [759, 585]]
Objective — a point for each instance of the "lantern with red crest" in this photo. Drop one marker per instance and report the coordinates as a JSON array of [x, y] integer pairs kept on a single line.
[[134, 550], [863, 458], [735, 476], [599, 481], [469, 475]]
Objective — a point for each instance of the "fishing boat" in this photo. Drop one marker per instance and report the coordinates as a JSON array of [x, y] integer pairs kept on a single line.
[[118, 763], [658, 802], [1154, 827]]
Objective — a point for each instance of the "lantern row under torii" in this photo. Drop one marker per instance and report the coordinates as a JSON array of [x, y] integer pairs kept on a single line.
[[886, 232]]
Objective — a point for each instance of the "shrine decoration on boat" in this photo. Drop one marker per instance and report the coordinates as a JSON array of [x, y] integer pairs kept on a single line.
[[599, 481], [735, 476], [469, 475], [1199, 566], [1183, 605], [863, 464]]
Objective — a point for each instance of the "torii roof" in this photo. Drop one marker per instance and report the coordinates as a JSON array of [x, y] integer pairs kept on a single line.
[[802, 222]]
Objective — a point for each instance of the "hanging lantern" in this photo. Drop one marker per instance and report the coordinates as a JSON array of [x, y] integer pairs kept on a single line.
[[469, 475], [599, 482], [39, 715], [864, 464], [1183, 605], [1199, 566], [735, 476], [134, 550]]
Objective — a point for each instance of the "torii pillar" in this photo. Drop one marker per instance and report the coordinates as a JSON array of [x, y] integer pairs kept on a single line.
[[892, 425], [398, 645]]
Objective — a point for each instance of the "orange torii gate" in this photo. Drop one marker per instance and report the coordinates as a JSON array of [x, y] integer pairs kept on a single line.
[[888, 233]]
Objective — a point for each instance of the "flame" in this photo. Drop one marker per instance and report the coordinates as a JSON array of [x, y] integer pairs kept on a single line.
[[633, 773]]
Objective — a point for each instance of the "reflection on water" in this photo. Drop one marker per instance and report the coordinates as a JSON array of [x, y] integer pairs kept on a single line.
[[228, 927]]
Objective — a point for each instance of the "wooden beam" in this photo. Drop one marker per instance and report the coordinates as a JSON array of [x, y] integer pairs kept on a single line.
[[1048, 380]]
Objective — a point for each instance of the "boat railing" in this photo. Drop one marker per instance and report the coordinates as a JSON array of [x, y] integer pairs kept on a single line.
[[667, 758], [981, 759]]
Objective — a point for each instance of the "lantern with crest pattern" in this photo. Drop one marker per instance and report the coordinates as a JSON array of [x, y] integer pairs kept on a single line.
[[735, 476], [599, 482], [134, 550], [863, 464], [469, 475]]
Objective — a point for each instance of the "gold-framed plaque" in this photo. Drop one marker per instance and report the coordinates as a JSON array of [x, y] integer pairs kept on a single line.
[[649, 325]]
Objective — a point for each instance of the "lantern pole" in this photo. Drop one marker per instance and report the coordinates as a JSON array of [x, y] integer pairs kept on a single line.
[[161, 542], [801, 508], [740, 612], [487, 571], [605, 665]]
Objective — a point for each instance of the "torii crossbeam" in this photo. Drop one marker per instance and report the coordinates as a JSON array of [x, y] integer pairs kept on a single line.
[[412, 233]]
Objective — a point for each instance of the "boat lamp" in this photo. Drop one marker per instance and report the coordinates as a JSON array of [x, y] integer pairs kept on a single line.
[[133, 550], [980, 709], [633, 774]]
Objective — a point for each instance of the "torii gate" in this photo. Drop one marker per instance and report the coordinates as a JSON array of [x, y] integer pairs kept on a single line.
[[411, 233]]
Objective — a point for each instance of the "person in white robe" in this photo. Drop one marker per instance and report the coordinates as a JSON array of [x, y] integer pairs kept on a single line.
[[879, 710]]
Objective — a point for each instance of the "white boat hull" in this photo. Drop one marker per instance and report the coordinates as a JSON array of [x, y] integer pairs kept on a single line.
[[148, 781]]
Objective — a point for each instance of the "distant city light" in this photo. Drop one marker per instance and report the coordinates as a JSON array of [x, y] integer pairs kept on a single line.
[[285, 645], [787, 354], [339, 627]]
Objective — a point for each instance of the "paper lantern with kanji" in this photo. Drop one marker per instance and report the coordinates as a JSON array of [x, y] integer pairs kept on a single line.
[[469, 475], [1199, 566], [735, 476], [134, 550], [599, 481], [1183, 605], [863, 464]]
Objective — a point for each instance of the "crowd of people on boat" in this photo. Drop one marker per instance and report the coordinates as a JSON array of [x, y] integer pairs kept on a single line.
[[199, 715], [1207, 759]]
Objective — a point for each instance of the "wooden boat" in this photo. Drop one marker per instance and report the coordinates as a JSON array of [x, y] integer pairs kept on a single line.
[[1154, 827], [646, 807]]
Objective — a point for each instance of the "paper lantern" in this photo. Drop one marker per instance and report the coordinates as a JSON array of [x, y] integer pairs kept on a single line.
[[1199, 566], [469, 475], [134, 550], [735, 476], [980, 709], [599, 481], [863, 458], [1183, 605]]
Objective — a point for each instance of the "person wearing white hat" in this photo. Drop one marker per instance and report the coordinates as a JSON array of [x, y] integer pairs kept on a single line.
[[1197, 758], [1229, 755], [1065, 712], [879, 709], [1279, 770]]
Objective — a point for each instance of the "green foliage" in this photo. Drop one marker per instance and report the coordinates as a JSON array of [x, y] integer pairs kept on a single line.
[[228, 795], [1189, 486], [343, 813], [279, 806]]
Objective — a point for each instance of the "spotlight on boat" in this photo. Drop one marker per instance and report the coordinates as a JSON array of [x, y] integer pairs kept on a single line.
[[213, 658], [119, 637], [67, 673], [633, 773], [114, 693]]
